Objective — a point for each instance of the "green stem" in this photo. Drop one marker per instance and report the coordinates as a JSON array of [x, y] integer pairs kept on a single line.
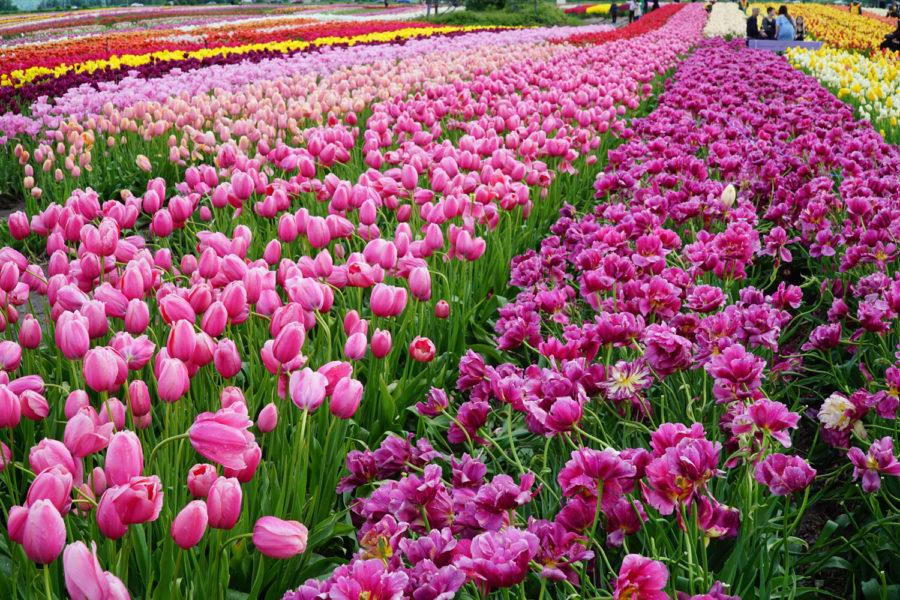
[[47, 582], [153, 452]]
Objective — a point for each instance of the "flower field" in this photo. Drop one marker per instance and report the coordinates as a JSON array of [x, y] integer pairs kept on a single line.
[[297, 308]]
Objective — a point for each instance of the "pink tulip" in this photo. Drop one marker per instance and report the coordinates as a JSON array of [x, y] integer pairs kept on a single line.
[[442, 309], [5, 456], [18, 225], [307, 389], [95, 312], [10, 356], [268, 418], [85, 579], [189, 525], [44, 534], [252, 456], [104, 369], [226, 359], [200, 478], [172, 382], [223, 504], [317, 232], [138, 398], [381, 343], [214, 319], [182, 340], [355, 347], [124, 458], [53, 484], [289, 342], [10, 408], [33, 405], [422, 349], [15, 524], [30, 333], [75, 401], [279, 539], [138, 501], [346, 397], [420, 284], [50, 453], [84, 435], [222, 437], [112, 411], [71, 335], [137, 316]]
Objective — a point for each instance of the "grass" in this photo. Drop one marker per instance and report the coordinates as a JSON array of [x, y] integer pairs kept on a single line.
[[546, 15]]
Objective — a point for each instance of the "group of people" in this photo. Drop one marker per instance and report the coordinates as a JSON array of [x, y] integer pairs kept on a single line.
[[782, 27], [634, 8]]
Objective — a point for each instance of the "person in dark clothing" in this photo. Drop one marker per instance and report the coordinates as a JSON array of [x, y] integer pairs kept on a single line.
[[614, 11], [800, 30], [655, 5], [768, 24], [892, 40], [753, 25]]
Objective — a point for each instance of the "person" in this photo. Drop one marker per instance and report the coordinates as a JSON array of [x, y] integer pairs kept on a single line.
[[753, 25], [655, 5], [637, 11], [801, 30], [784, 25], [893, 12], [768, 24], [892, 40], [631, 6]]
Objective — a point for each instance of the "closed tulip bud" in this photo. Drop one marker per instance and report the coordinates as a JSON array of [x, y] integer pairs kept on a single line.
[[44, 535], [105, 369], [5, 456], [355, 347], [18, 225], [279, 539], [10, 356], [138, 398], [15, 524], [10, 408], [181, 341], [85, 579], [200, 479], [442, 309], [97, 481], [226, 359], [172, 382], [729, 195], [317, 232], [189, 525], [288, 342], [108, 520], [420, 283], [75, 401], [223, 503], [112, 411], [143, 163], [287, 228], [381, 343], [124, 458], [71, 335], [234, 298], [53, 484], [434, 237], [422, 349], [346, 397], [272, 253], [230, 396], [307, 389], [268, 418], [30, 333], [350, 321], [9, 276]]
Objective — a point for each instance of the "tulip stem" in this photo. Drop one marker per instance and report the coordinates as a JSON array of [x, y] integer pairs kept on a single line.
[[47, 582], [234, 539], [180, 436]]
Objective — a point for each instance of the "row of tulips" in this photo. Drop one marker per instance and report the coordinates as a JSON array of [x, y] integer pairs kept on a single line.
[[726, 19], [871, 84], [137, 117], [649, 22], [656, 369], [281, 277], [324, 34]]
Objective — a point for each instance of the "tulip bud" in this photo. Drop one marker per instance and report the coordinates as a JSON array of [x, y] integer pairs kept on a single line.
[[268, 418], [422, 349], [189, 525], [279, 539], [381, 343], [355, 347], [75, 401], [346, 397], [138, 398], [729, 195], [172, 382], [30, 333], [442, 309], [124, 458], [44, 534], [226, 359], [223, 504], [307, 389]]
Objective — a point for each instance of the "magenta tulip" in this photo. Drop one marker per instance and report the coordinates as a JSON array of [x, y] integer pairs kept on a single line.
[[189, 525], [105, 369], [200, 478], [223, 504], [172, 382], [45, 533], [222, 437], [422, 349], [268, 418], [278, 538], [30, 333], [307, 389], [124, 458], [346, 397], [381, 343], [85, 579]]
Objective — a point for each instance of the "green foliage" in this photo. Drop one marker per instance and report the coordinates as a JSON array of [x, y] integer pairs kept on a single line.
[[547, 15]]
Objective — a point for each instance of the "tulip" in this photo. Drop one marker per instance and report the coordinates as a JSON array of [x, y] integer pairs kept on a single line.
[[50, 453], [172, 382], [138, 398], [44, 534], [268, 418], [214, 319], [307, 389], [143, 163], [15, 524], [138, 501], [71, 335], [222, 437], [75, 401], [355, 346], [182, 340], [381, 343], [288, 342], [30, 333], [226, 359], [5, 456], [112, 411], [252, 456], [124, 458], [104, 369], [422, 349], [137, 316], [442, 309], [278, 538], [33, 405], [189, 525], [420, 284], [10, 356], [84, 435], [85, 579], [346, 397], [18, 225], [200, 479], [53, 484], [10, 408], [223, 504]]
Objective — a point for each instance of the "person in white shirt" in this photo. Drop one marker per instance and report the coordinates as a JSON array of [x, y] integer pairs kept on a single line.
[[632, 6]]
